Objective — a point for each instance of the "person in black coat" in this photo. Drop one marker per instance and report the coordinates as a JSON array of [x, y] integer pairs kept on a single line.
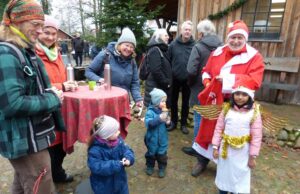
[[179, 53], [78, 46], [208, 41], [158, 65]]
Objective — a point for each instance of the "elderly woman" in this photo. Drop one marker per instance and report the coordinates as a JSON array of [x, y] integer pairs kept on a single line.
[[47, 50], [228, 66], [124, 72], [160, 72], [208, 41]]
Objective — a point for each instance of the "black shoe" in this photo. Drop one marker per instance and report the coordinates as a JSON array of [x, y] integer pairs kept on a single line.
[[184, 130], [172, 127], [198, 169], [189, 151], [68, 178]]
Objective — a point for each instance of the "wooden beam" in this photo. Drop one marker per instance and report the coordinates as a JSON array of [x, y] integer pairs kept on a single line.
[[286, 64]]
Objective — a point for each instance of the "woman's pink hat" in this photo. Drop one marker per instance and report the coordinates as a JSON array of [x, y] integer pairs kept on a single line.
[[51, 22]]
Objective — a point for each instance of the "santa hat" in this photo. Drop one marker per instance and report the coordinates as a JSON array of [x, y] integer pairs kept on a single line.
[[51, 22], [244, 87], [107, 128], [238, 27]]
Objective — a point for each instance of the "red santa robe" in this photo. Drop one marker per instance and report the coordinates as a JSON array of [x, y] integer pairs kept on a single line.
[[245, 66]]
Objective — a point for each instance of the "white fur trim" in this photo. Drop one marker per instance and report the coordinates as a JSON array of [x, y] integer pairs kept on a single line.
[[238, 31], [206, 153], [244, 89], [228, 82], [219, 50], [205, 76]]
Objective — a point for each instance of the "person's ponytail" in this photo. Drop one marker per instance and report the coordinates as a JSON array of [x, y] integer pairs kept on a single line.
[[96, 125]]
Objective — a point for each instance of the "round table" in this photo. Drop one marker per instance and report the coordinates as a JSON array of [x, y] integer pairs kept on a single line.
[[81, 107]]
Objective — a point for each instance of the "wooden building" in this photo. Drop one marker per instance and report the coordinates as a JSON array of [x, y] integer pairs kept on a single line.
[[274, 30]]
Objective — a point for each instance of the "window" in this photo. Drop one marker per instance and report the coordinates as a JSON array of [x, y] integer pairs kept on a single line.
[[264, 18]]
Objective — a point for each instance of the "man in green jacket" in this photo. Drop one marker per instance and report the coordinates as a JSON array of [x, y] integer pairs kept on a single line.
[[29, 108]]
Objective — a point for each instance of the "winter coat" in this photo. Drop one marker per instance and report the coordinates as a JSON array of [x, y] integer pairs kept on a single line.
[[124, 73], [156, 138], [108, 175], [27, 115], [55, 69], [78, 45], [246, 67], [197, 61], [179, 53], [160, 72], [57, 75]]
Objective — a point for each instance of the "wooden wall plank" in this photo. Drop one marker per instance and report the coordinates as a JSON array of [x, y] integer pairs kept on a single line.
[[285, 25], [188, 10]]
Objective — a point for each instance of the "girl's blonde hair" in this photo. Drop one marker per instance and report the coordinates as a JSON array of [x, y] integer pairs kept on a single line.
[[96, 125], [8, 36]]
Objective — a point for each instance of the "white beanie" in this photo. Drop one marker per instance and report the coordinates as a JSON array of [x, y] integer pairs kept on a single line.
[[127, 36], [108, 127]]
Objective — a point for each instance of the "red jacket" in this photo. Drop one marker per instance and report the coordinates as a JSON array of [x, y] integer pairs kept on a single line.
[[246, 66], [55, 69], [57, 75]]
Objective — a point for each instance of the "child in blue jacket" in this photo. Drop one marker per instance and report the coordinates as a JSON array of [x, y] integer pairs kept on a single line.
[[156, 138], [108, 156]]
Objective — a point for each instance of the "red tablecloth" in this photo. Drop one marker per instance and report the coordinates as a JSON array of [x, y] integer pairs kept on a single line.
[[81, 107]]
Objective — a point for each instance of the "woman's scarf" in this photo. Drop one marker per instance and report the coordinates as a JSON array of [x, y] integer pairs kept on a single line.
[[51, 53]]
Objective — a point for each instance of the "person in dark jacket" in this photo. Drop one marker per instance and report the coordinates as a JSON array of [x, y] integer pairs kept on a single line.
[[179, 52], [108, 156], [29, 108], [208, 41], [158, 64], [78, 46], [64, 48]]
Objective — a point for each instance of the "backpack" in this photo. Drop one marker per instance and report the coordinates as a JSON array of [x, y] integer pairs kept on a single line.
[[143, 70]]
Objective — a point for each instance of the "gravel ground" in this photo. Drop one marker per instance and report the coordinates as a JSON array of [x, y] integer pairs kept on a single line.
[[277, 170]]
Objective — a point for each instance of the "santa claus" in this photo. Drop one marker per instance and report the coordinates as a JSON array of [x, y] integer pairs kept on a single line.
[[228, 65]]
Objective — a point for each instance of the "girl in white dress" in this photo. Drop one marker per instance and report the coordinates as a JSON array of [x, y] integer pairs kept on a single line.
[[236, 142]]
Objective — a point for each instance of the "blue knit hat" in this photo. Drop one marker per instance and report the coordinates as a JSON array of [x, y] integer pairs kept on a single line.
[[156, 96]]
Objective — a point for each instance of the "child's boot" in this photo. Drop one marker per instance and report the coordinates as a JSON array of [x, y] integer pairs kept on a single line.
[[162, 164], [162, 173], [149, 170]]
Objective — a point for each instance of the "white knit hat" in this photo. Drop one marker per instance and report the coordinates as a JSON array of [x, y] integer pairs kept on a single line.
[[108, 127], [127, 36]]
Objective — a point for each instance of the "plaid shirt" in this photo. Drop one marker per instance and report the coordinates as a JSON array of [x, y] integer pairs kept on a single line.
[[23, 108]]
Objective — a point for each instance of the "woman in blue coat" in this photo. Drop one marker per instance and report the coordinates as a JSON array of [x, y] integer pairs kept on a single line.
[[124, 71], [108, 156]]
